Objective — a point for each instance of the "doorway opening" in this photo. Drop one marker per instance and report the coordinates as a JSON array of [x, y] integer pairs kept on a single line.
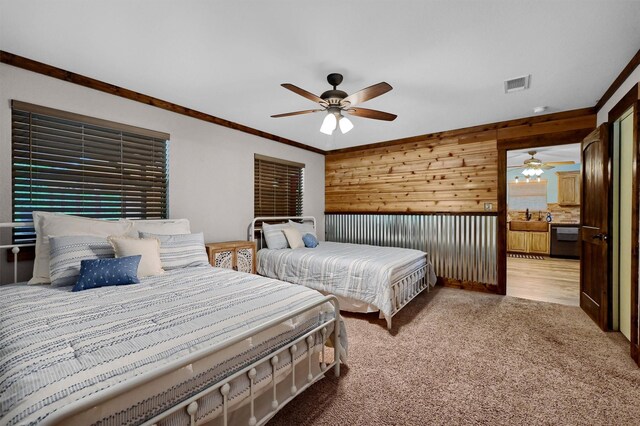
[[543, 223]]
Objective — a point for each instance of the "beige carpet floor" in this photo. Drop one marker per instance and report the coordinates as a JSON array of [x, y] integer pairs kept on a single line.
[[460, 357]]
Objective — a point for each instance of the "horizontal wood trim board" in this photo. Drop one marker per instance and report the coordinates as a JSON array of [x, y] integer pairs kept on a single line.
[[622, 77], [564, 125], [81, 80]]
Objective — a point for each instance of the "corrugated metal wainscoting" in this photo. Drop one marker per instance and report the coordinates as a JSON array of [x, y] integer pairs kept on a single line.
[[461, 246]]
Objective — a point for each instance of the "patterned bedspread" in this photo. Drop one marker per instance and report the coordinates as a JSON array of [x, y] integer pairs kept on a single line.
[[57, 346], [358, 271]]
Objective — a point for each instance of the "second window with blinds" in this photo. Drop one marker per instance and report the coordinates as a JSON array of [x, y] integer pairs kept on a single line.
[[278, 187]]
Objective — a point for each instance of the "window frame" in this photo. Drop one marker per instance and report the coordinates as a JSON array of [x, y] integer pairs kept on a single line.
[[278, 203]]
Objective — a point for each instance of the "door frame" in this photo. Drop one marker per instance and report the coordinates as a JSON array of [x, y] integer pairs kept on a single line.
[[504, 145], [631, 99]]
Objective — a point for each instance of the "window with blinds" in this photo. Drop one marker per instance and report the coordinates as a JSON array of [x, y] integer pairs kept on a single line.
[[69, 163], [278, 187]]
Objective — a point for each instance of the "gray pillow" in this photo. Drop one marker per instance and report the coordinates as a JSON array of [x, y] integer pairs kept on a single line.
[[66, 253], [180, 251], [274, 237]]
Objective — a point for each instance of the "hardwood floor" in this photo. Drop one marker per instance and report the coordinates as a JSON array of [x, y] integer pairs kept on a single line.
[[548, 280]]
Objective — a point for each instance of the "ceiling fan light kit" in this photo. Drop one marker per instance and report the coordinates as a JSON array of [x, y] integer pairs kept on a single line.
[[336, 101]]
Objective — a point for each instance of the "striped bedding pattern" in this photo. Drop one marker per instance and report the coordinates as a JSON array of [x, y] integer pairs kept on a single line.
[[57, 346], [180, 251], [358, 271], [67, 252]]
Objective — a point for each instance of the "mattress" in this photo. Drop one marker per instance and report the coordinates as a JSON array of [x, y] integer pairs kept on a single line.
[[356, 271], [57, 347]]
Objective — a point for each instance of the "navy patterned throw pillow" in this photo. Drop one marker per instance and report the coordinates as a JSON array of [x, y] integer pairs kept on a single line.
[[310, 240], [96, 273]]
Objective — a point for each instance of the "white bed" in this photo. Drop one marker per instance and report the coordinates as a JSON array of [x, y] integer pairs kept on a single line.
[[193, 345], [365, 278]]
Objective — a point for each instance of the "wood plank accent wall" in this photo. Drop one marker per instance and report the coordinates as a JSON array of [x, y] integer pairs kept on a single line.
[[449, 172]]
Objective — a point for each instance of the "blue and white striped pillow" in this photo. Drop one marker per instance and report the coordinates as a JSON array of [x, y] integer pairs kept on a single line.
[[66, 253], [180, 251]]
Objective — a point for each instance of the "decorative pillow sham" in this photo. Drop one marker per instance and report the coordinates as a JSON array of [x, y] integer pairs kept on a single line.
[[67, 252], [310, 240], [96, 273], [294, 238], [180, 251], [304, 228], [273, 235], [57, 224], [158, 226], [148, 248]]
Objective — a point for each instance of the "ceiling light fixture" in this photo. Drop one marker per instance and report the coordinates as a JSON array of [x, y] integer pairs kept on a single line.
[[333, 119], [345, 124], [532, 171], [329, 124], [539, 109]]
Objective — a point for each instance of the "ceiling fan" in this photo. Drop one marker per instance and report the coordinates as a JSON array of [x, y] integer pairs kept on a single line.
[[534, 163], [534, 167], [336, 101]]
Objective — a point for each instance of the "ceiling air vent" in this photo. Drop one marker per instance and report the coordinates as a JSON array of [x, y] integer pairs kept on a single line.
[[517, 84]]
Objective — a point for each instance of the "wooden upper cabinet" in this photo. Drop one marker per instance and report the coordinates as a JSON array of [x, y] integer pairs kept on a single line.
[[569, 188]]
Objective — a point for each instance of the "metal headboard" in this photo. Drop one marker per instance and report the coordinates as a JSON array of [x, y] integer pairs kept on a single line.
[[15, 248], [260, 241]]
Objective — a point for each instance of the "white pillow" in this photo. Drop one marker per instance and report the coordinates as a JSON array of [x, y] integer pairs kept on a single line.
[[149, 248], [159, 226], [294, 238], [304, 228], [273, 235], [58, 225]]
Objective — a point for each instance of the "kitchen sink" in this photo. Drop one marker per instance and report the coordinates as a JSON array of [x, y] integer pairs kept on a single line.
[[534, 226]]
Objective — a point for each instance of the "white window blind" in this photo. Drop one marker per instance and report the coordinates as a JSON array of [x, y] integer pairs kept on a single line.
[[70, 163], [278, 187]]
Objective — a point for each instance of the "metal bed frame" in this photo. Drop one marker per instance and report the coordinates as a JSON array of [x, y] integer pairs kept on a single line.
[[190, 405], [403, 291]]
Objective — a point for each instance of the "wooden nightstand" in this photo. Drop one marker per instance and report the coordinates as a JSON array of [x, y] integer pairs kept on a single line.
[[236, 255]]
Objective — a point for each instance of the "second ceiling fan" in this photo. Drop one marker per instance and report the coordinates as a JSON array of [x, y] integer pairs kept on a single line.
[[336, 101]]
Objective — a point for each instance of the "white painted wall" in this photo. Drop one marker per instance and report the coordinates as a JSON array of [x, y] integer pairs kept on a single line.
[[210, 166]]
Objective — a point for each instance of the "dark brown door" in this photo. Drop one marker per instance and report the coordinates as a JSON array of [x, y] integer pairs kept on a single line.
[[595, 260]]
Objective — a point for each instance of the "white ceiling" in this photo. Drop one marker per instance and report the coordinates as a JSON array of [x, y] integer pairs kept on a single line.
[[446, 60]]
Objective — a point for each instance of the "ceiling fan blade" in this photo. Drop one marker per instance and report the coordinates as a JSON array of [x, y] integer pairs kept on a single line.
[[371, 113], [302, 92], [289, 114], [367, 93], [559, 163]]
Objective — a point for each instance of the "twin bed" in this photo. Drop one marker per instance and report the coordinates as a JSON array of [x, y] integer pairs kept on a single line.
[[196, 344], [364, 278]]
